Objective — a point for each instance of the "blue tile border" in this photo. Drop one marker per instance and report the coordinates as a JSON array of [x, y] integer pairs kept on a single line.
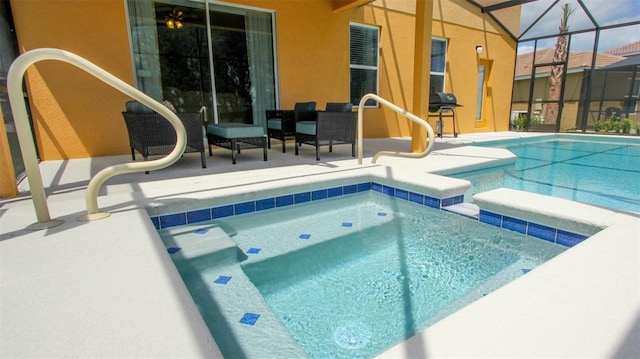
[[199, 215], [554, 235], [569, 239], [514, 224], [172, 220], [207, 214], [540, 231]]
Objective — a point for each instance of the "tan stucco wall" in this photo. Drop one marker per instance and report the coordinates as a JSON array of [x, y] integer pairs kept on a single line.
[[464, 27], [78, 116], [75, 115]]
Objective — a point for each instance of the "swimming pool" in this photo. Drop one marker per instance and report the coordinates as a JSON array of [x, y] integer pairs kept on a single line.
[[594, 170], [345, 277]]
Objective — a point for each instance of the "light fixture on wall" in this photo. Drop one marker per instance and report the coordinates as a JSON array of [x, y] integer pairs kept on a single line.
[[174, 19], [479, 49]]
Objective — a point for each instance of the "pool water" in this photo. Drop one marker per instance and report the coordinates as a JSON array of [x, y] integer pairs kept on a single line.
[[350, 277], [600, 173]]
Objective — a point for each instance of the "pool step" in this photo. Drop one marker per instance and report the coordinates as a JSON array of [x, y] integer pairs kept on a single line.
[[200, 241], [466, 209], [231, 306]]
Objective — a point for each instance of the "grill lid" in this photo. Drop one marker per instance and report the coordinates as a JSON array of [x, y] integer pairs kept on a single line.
[[442, 100]]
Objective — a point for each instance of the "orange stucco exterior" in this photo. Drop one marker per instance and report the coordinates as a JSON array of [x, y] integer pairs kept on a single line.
[[77, 116], [74, 114]]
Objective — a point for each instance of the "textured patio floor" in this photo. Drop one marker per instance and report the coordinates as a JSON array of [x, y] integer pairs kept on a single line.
[[108, 289]]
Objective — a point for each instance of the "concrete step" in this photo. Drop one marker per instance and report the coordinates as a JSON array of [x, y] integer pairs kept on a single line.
[[465, 209]]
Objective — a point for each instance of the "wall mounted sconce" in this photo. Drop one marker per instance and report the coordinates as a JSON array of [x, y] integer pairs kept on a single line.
[[174, 19], [479, 49]]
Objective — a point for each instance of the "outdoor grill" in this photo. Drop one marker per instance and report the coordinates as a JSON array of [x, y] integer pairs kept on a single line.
[[443, 102]]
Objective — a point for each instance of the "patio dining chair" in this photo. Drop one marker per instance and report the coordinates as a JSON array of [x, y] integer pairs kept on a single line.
[[335, 125], [613, 113], [281, 124], [151, 134]]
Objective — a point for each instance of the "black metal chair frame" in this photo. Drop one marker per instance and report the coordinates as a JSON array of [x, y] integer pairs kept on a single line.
[[288, 124], [236, 144], [151, 134], [332, 128]]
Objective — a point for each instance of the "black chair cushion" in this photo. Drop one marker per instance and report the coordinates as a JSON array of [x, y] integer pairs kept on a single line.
[[339, 107]]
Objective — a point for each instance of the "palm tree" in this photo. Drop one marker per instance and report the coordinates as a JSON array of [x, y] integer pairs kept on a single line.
[[557, 71]]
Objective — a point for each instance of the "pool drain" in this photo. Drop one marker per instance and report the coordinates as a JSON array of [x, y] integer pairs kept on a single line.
[[352, 335]]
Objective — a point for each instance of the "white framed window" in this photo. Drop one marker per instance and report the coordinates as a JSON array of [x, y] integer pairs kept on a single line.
[[364, 60], [438, 64]]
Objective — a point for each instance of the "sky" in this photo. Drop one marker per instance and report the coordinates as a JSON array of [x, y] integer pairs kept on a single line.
[[605, 12]]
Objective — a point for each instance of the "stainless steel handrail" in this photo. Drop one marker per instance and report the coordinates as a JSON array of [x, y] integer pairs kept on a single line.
[[403, 112], [27, 145]]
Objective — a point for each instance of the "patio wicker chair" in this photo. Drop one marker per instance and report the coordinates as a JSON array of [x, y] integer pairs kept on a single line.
[[282, 123], [336, 125], [151, 134], [613, 113]]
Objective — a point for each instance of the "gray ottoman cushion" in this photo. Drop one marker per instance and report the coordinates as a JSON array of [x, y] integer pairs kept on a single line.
[[306, 127], [235, 130]]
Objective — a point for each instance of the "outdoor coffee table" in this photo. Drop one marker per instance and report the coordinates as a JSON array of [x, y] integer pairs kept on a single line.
[[236, 136]]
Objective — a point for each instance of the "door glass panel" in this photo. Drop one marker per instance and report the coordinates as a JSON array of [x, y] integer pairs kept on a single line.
[[231, 67], [480, 95], [175, 61], [183, 57]]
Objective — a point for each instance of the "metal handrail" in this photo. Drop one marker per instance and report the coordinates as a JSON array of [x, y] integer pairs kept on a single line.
[[403, 112], [27, 144]]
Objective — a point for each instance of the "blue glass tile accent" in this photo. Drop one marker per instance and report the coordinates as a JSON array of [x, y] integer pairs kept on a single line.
[[416, 197], [569, 239], [286, 200], [334, 192], [222, 211], [318, 194], [266, 203], [349, 189], [172, 220], [201, 231], [542, 232], [514, 224], [223, 279], [431, 202], [532, 229], [244, 207], [199, 215], [253, 250], [249, 318], [365, 186], [448, 201], [156, 222], [173, 250], [382, 214], [525, 270], [402, 194], [490, 218], [302, 197], [388, 190]]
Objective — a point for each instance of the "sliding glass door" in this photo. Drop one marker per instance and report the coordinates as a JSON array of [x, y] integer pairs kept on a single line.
[[199, 54]]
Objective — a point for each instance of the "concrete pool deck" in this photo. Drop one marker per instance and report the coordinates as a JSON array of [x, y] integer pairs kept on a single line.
[[108, 288]]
